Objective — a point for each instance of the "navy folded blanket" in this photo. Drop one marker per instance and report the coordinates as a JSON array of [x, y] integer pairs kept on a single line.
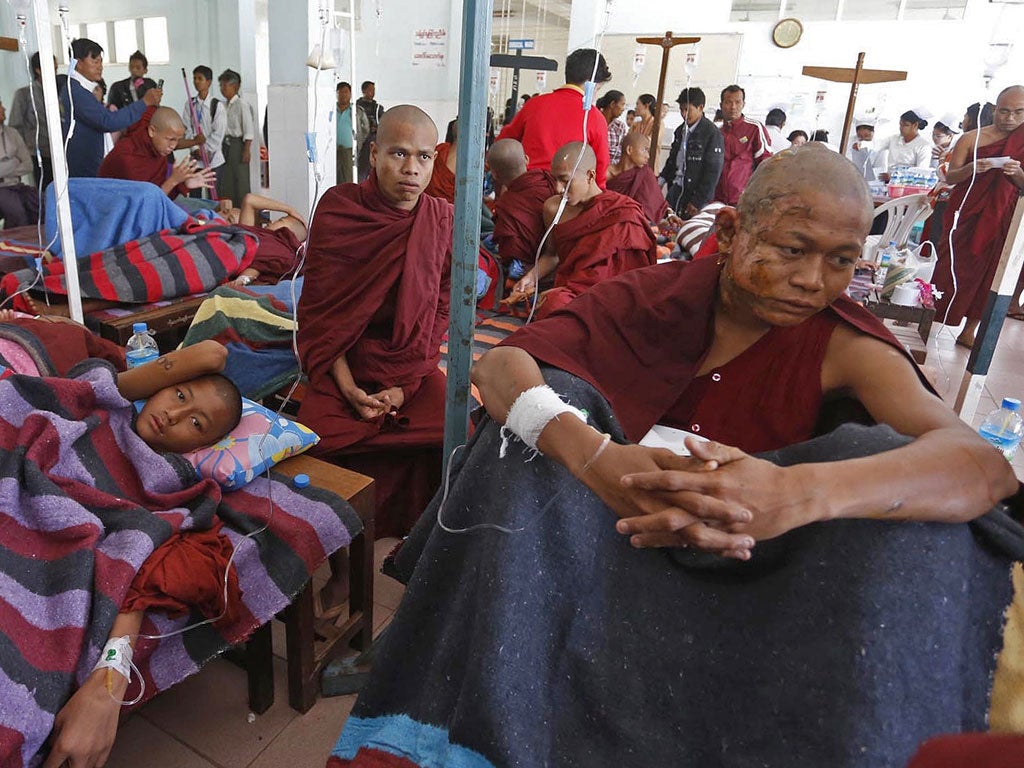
[[840, 644]]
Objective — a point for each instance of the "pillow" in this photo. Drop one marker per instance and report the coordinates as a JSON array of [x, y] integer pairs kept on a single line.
[[238, 458]]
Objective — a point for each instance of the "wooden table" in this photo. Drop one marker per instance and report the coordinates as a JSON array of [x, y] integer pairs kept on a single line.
[[906, 316], [169, 319], [306, 654]]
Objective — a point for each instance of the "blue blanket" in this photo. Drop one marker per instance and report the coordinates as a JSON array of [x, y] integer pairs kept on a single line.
[[109, 212], [841, 644]]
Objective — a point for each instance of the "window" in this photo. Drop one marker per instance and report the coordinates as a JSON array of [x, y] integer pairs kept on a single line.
[[97, 32], [154, 33], [813, 10], [935, 10], [126, 41], [754, 10]]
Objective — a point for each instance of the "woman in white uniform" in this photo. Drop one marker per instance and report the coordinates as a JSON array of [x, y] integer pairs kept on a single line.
[[908, 147]]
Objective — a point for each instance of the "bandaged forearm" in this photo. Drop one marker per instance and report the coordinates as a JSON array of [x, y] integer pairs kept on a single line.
[[533, 410], [117, 655]]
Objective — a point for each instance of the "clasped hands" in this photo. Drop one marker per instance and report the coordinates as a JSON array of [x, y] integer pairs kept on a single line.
[[720, 499], [369, 407]]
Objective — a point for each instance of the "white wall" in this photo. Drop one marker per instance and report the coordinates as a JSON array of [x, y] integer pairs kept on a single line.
[[944, 59]]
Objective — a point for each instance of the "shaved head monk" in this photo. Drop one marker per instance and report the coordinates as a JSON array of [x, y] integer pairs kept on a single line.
[[599, 234], [633, 177], [146, 153], [995, 182], [442, 180], [519, 208], [372, 313], [747, 351]]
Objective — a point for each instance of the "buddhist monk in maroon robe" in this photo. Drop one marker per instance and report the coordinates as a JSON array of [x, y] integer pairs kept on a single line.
[[519, 208], [442, 182], [710, 347], [145, 153], [633, 177], [984, 213], [279, 241], [599, 235], [373, 311]]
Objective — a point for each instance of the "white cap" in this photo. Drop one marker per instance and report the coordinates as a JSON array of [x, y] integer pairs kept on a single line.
[[923, 112], [863, 120], [951, 121]]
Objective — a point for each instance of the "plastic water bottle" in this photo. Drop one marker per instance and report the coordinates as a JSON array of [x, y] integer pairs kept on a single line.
[[1004, 427], [886, 260], [141, 347]]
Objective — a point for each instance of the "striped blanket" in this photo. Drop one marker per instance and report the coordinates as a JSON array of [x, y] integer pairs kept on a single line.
[[255, 324], [83, 502], [193, 259]]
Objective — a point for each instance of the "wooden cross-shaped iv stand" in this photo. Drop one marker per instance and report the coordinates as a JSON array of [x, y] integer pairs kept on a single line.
[[856, 77], [667, 43]]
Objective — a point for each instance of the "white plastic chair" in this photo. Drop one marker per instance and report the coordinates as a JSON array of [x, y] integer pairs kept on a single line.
[[904, 213]]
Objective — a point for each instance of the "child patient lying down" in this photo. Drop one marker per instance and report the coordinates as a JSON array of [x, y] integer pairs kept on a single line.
[[189, 405]]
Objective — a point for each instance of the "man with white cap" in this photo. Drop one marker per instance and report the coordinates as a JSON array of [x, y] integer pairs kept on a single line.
[[944, 136], [862, 151]]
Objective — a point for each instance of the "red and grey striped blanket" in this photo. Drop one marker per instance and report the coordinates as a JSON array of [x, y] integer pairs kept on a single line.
[[193, 259], [83, 503]]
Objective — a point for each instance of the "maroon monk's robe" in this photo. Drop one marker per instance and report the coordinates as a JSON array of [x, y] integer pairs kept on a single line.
[[442, 180], [275, 254], [640, 338], [134, 158], [609, 236], [377, 291], [642, 185], [978, 241], [519, 216]]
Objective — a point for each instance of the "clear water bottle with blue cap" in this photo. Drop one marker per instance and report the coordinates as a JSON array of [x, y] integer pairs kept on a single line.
[[1004, 427], [141, 348]]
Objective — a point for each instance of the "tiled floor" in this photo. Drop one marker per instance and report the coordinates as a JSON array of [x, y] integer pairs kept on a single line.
[[204, 721]]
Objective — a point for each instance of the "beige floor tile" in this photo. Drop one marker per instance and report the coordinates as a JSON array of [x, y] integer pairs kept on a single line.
[[307, 740], [140, 743], [209, 712], [387, 591], [381, 549], [382, 616]]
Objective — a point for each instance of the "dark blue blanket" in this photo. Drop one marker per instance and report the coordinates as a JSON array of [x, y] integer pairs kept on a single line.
[[839, 644]]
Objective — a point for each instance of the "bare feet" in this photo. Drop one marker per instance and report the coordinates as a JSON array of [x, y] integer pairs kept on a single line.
[[966, 339], [330, 601]]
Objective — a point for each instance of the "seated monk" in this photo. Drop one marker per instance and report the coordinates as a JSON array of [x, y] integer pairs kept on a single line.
[[279, 240], [373, 312], [146, 153], [625, 605], [519, 209], [599, 235], [633, 177], [442, 179], [188, 405]]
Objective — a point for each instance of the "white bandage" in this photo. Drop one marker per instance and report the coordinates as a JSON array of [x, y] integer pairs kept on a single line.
[[117, 654], [533, 410]]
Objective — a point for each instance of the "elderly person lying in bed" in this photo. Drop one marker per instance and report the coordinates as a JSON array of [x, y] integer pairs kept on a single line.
[[608, 603], [188, 406]]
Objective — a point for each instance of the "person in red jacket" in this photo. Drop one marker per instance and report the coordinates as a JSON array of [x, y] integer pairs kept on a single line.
[[552, 120], [746, 145], [146, 153]]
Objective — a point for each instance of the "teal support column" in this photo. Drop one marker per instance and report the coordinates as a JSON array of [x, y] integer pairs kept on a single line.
[[469, 179]]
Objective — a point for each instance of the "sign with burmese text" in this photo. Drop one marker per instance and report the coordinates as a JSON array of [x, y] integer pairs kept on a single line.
[[430, 47]]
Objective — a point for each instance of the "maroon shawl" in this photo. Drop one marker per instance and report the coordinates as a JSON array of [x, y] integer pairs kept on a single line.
[[641, 184], [519, 216], [614, 337], [275, 253], [609, 237], [978, 241], [442, 180], [365, 254]]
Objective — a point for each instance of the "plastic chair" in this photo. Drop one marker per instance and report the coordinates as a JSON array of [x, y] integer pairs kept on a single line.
[[904, 213]]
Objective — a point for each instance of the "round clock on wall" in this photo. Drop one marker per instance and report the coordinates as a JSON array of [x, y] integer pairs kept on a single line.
[[787, 33]]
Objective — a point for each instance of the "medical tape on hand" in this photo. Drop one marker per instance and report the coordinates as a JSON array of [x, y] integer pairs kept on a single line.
[[531, 412], [117, 654]]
